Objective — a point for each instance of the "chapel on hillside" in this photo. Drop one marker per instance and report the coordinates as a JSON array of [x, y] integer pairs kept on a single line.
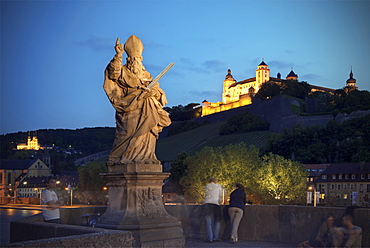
[[240, 93], [32, 143]]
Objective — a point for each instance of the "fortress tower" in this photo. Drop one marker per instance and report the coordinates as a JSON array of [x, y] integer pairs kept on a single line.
[[262, 75]]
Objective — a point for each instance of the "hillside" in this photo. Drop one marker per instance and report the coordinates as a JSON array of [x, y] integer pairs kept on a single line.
[[192, 141]]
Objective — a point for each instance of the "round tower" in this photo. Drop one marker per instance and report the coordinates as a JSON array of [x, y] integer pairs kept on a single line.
[[229, 80]]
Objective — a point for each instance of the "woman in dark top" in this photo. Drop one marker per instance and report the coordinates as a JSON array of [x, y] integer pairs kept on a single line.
[[236, 210]]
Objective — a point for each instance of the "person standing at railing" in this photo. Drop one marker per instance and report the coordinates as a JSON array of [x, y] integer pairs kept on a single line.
[[212, 211], [238, 199], [51, 203]]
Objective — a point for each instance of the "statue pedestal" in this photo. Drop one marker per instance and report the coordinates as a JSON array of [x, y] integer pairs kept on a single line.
[[135, 204]]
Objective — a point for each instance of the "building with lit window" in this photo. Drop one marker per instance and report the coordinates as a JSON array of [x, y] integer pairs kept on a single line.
[[32, 186], [345, 185], [12, 171]]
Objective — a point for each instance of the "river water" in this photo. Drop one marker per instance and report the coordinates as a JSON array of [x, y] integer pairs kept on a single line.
[[9, 214]]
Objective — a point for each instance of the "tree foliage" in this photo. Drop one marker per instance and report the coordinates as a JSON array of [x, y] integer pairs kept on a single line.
[[90, 188], [281, 181], [244, 123], [178, 170], [335, 143], [238, 164], [183, 113], [286, 87]]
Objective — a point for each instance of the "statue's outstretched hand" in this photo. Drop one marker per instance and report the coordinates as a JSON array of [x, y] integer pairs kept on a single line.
[[119, 47]]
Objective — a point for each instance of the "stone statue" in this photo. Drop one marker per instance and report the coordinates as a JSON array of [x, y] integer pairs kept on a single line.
[[139, 109]]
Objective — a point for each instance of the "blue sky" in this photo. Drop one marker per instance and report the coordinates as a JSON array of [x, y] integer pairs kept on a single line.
[[53, 53]]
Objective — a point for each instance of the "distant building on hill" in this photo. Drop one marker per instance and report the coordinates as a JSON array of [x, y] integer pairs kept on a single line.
[[240, 93], [32, 143]]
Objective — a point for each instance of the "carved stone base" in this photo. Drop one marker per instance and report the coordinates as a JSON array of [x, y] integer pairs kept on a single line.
[[135, 204]]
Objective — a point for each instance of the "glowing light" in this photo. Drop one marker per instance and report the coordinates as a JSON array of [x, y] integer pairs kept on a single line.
[[105, 188], [24, 183]]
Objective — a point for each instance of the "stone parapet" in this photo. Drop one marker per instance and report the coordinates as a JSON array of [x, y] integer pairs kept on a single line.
[[289, 224]]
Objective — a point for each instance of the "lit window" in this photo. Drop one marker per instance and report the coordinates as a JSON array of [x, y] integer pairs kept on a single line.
[[333, 176], [345, 196]]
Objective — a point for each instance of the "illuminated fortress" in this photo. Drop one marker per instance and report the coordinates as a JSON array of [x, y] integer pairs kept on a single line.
[[236, 94]]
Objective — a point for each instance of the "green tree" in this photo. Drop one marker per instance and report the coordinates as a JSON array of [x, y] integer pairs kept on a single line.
[[90, 188], [244, 123], [280, 181], [270, 180], [268, 90], [178, 170]]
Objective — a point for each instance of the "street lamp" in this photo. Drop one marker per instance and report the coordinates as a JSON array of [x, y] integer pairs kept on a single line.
[[314, 194], [70, 190]]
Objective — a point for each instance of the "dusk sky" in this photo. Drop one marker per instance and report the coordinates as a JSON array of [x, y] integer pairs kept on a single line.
[[53, 53]]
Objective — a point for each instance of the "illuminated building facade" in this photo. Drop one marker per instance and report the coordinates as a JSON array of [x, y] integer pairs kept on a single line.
[[236, 94], [32, 143]]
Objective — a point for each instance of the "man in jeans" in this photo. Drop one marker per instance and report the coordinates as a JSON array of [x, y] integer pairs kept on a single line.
[[212, 210]]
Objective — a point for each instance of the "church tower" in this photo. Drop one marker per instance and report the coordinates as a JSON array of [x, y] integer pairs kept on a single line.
[[262, 75], [351, 83]]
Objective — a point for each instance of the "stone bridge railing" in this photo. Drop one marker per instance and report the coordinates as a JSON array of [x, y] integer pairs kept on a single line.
[[290, 224]]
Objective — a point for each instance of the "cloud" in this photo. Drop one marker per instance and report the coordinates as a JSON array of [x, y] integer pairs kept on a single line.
[[214, 65], [97, 43], [155, 46], [288, 51], [277, 64], [309, 76], [206, 94], [208, 66]]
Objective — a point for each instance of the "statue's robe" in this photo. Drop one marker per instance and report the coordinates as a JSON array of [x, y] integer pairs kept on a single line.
[[139, 120]]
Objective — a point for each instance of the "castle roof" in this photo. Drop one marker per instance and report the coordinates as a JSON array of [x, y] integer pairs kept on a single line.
[[262, 63], [248, 80], [351, 80], [16, 164], [229, 76], [292, 74], [350, 168]]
